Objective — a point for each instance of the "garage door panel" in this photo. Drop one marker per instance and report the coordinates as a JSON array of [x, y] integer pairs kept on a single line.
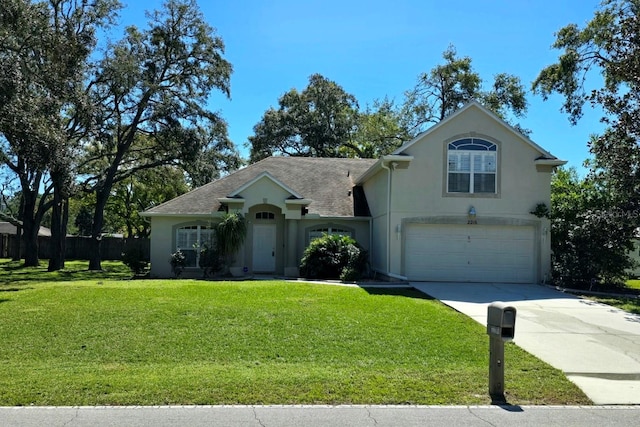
[[470, 253]]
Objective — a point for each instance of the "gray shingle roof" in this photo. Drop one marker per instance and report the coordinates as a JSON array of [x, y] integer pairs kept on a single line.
[[328, 182], [7, 228]]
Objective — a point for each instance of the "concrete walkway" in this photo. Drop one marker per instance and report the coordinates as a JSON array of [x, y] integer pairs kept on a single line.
[[595, 345]]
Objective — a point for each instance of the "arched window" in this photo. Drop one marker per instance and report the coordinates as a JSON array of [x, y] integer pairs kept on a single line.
[[472, 166], [191, 239]]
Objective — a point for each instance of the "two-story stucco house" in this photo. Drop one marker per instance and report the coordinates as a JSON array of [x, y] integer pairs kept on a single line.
[[453, 204]]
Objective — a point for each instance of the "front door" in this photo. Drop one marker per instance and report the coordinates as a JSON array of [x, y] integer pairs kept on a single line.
[[264, 248]]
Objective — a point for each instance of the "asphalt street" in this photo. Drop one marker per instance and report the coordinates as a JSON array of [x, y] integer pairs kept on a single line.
[[320, 416]]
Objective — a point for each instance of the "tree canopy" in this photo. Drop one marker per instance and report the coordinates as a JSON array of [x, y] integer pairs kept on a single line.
[[323, 120], [150, 96], [608, 46], [605, 50], [317, 122], [70, 118], [139, 192], [449, 86], [44, 52], [381, 129]]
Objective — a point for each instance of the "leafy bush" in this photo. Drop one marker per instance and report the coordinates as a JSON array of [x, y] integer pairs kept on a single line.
[[177, 260], [210, 261], [591, 236], [135, 259], [592, 248], [332, 257]]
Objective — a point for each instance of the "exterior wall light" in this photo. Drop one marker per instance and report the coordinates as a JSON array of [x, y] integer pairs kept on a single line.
[[471, 217]]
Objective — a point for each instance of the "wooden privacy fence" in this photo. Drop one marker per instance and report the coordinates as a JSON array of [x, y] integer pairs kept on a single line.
[[79, 247]]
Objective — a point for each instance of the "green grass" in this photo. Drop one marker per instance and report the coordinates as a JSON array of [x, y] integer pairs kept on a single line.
[[14, 273], [631, 305], [628, 304], [633, 284], [144, 342]]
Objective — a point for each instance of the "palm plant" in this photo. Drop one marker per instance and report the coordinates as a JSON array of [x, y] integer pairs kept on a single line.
[[230, 235]]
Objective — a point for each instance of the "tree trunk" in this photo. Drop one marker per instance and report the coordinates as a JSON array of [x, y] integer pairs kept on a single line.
[[30, 236], [30, 228], [17, 245], [17, 249], [65, 223], [58, 232], [95, 258]]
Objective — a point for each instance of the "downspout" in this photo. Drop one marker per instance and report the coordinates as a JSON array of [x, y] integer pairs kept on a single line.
[[388, 255], [371, 245]]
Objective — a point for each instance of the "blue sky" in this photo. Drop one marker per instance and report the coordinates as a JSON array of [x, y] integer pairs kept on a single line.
[[377, 48]]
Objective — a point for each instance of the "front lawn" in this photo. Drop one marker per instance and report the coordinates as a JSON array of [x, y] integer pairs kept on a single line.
[[13, 272], [145, 342], [629, 304], [633, 284]]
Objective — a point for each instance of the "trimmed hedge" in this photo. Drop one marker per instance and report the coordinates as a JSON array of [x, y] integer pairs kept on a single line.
[[334, 257]]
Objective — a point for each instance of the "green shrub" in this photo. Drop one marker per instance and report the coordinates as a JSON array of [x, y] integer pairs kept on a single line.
[[591, 235], [333, 257], [210, 261], [350, 274], [177, 260], [135, 259]]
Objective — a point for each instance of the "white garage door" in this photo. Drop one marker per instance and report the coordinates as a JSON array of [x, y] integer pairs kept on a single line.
[[470, 253]]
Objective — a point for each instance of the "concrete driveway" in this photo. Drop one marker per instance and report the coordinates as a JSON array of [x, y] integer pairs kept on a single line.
[[595, 345]]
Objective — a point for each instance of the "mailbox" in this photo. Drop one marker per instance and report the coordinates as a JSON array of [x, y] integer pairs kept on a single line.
[[501, 321]]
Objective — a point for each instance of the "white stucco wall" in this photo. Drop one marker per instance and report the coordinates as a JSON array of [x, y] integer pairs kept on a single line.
[[163, 240], [420, 190], [376, 190]]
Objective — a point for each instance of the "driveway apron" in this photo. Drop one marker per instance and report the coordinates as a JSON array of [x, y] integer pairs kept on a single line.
[[597, 346]]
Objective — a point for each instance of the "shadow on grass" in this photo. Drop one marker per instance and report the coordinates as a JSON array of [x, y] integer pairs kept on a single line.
[[397, 291], [630, 305], [14, 273], [12, 289]]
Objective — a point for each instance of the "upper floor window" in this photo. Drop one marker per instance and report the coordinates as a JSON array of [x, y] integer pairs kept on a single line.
[[471, 166]]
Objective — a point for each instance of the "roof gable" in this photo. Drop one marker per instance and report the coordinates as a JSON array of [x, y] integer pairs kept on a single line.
[[270, 177], [490, 115]]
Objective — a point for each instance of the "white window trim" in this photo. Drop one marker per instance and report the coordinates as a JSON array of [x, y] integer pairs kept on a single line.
[[319, 231], [471, 171], [199, 229]]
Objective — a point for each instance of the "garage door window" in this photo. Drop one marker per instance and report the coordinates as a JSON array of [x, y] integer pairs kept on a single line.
[[471, 166]]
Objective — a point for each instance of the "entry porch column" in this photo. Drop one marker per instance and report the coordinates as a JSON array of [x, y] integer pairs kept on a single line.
[[291, 249]]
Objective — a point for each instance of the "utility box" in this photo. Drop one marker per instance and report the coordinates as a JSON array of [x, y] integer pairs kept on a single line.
[[501, 321]]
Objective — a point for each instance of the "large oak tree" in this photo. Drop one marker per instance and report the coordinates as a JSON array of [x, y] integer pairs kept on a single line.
[[598, 66], [44, 52], [448, 86], [319, 121], [152, 92], [606, 49]]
